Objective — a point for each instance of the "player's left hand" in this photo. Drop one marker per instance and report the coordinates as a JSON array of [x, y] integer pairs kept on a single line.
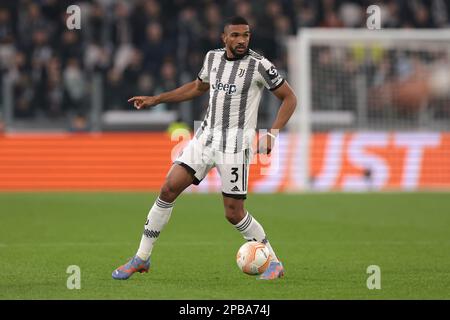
[[265, 144]]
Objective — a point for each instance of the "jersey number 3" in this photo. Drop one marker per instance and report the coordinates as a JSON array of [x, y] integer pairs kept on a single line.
[[235, 174]]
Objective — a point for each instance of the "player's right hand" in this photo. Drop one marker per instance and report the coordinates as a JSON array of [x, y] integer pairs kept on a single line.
[[141, 102], [265, 144]]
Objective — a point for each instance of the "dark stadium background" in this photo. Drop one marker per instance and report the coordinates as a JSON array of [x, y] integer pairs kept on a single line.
[[145, 47]]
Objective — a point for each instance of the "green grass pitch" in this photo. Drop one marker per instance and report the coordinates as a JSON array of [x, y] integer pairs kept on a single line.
[[326, 242]]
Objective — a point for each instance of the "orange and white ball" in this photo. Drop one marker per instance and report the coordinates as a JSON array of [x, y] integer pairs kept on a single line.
[[253, 258]]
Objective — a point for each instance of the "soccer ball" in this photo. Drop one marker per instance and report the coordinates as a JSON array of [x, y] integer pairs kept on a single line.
[[253, 258]]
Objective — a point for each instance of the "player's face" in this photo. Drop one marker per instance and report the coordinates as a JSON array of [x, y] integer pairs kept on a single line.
[[236, 39]]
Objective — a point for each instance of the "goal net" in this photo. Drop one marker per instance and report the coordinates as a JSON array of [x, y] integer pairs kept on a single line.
[[374, 109]]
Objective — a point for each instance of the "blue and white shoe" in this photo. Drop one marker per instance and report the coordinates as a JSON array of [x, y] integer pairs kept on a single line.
[[275, 270], [135, 264]]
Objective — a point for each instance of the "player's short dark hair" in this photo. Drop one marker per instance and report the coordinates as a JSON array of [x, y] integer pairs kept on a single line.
[[235, 20]]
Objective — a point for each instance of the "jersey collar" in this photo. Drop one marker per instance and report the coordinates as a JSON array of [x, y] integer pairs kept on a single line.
[[236, 58]]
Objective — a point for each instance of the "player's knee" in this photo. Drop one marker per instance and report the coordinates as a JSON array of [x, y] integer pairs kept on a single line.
[[168, 192]]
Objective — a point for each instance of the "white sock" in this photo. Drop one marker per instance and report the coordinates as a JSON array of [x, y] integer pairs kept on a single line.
[[157, 218], [252, 230]]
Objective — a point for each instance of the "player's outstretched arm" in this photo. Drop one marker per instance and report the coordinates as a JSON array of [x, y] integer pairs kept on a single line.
[[188, 91], [287, 108]]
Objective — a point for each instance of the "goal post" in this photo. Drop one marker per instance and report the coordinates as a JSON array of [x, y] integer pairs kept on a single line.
[[366, 81]]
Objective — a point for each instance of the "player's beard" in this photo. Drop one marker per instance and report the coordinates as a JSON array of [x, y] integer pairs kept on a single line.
[[237, 54]]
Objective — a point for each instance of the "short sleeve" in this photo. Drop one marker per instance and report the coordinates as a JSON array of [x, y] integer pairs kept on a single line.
[[203, 75], [269, 74]]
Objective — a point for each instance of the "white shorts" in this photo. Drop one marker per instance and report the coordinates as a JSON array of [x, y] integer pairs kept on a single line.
[[199, 159]]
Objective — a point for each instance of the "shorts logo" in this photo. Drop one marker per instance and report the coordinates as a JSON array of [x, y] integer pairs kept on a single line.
[[235, 189], [228, 88]]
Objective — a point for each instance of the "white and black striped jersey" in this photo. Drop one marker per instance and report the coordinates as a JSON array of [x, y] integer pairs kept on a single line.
[[235, 91]]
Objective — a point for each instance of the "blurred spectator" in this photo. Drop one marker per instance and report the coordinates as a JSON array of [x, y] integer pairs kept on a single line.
[[115, 94], [190, 36], [23, 88], [79, 123], [144, 13], [351, 15], [329, 94], [132, 72], [306, 14], [264, 33], [213, 28], [70, 47], [155, 48], [96, 23], [96, 58], [40, 49], [120, 25], [55, 89], [6, 26], [74, 87], [168, 78], [390, 14], [31, 20]]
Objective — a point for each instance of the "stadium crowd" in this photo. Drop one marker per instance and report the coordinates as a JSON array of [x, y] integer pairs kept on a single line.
[[149, 46]]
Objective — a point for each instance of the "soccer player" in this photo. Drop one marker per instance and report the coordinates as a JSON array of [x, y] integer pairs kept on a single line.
[[235, 77]]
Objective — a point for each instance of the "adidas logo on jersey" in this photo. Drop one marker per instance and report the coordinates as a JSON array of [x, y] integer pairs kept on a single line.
[[228, 88], [235, 189]]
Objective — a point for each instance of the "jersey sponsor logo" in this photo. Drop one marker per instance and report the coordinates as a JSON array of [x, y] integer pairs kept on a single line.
[[228, 88]]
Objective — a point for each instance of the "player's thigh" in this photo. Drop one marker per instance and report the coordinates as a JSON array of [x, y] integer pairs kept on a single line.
[[196, 159], [233, 170]]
